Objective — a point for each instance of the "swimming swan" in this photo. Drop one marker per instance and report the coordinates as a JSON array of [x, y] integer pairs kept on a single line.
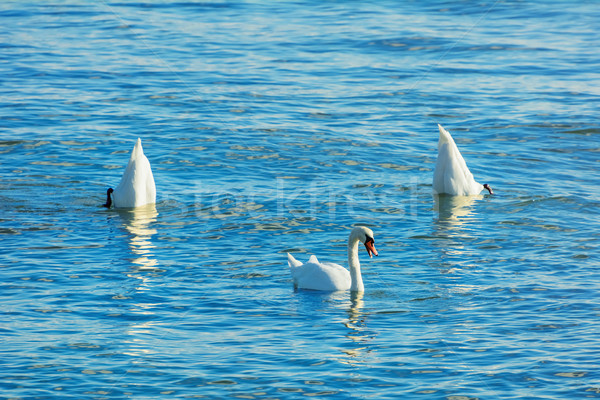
[[137, 184], [329, 276], [451, 175]]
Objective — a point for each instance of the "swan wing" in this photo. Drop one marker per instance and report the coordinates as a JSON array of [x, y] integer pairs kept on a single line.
[[137, 186], [451, 175]]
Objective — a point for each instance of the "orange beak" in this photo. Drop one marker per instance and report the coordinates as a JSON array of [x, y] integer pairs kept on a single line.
[[370, 245]]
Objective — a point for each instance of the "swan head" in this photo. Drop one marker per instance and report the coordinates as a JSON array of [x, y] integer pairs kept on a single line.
[[366, 237], [489, 188]]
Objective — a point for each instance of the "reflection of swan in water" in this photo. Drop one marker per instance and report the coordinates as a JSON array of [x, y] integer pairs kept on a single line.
[[138, 222], [344, 312], [451, 228], [451, 175], [454, 210], [356, 305], [355, 315], [359, 337]]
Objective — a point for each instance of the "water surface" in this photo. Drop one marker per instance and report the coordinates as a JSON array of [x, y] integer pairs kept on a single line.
[[275, 128]]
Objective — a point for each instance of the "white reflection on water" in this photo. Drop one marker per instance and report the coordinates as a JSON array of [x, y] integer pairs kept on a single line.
[[454, 211], [358, 347], [355, 315], [451, 227], [138, 222]]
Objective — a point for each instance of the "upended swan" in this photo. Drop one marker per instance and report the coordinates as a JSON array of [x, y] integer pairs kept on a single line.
[[326, 276], [137, 184], [451, 175]]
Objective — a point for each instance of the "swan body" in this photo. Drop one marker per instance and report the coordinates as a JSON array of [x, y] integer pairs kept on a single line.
[[451, 175], [319, 276], [326, 276], [137, 186]]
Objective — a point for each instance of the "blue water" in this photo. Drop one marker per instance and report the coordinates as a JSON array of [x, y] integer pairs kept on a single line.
[[274, 127]]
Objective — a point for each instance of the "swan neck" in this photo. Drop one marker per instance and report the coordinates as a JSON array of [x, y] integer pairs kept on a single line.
[[108, 198], [354, 264]]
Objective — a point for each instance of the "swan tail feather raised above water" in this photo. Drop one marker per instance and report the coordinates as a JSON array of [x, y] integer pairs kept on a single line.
[[137, 186], [451, 175]]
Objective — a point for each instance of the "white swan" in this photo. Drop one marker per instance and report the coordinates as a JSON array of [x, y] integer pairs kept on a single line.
[[137, 184], [451, 175], [328, 276]]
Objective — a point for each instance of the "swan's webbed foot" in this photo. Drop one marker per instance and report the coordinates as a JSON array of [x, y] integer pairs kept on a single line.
[[489, 188]]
